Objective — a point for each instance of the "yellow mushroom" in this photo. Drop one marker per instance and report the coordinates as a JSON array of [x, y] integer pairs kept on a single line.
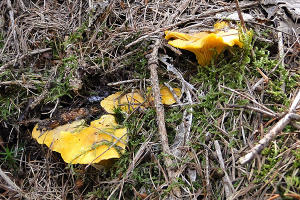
[[51, 137], [132, 100], [127, 102], [204, 44], [78, 144], [167, 97]]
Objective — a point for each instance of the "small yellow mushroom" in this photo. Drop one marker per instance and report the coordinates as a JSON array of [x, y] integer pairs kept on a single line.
[[127, 102], [132, 100], [204, 44], [167, 97], [79, 144]]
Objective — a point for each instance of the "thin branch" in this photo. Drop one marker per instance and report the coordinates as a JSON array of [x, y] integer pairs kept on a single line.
[[160, 114], [274, 69], [253, 108], [281, 124], [240, 15]]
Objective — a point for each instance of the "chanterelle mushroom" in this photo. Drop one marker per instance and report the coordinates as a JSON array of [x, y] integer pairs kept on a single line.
[[81, 144], [204, 44], [132, 100]]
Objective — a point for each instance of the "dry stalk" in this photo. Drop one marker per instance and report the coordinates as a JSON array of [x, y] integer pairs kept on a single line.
[[280, 125], [137, 158]]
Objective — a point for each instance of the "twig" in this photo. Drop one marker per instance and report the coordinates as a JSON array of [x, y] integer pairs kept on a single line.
[[160, 113], [254, 108], [6, 65], [208, 186], [137, 158], [229, 189], [251, 99], [273, 132], [124, 82], [183, 134], [240, 15], [183, 5], [281, 55], [43, 95]]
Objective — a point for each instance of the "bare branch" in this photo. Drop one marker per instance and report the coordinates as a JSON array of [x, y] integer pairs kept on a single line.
[[281, 124]]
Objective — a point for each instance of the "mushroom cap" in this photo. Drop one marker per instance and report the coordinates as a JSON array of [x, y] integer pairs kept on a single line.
[[78, 144], [132, 100], [127, 102], [167, 97], [51, 137], [204, 44]]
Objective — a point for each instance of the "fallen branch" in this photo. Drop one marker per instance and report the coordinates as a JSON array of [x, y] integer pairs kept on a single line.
[[160, 114], [288, 118]]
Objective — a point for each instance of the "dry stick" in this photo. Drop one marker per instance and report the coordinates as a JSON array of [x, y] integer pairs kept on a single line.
[[240, 15], [242, 21], [249, 98], [253, 108], [179, 10], [229, 189], [137, 158], [6, 65], [126, 81], [208, 187], [273, 132], [153, 64]]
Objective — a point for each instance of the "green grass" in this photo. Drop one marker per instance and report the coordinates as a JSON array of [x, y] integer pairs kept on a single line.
[[9, 157]]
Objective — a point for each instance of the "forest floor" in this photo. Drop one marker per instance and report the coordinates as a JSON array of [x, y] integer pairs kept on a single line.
[[232, 134]]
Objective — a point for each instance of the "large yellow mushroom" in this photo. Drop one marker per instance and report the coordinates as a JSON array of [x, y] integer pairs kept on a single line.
[[80, 144], [204, 44]]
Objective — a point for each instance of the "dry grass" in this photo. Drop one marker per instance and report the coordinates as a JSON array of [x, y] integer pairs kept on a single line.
[[55, 55]]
